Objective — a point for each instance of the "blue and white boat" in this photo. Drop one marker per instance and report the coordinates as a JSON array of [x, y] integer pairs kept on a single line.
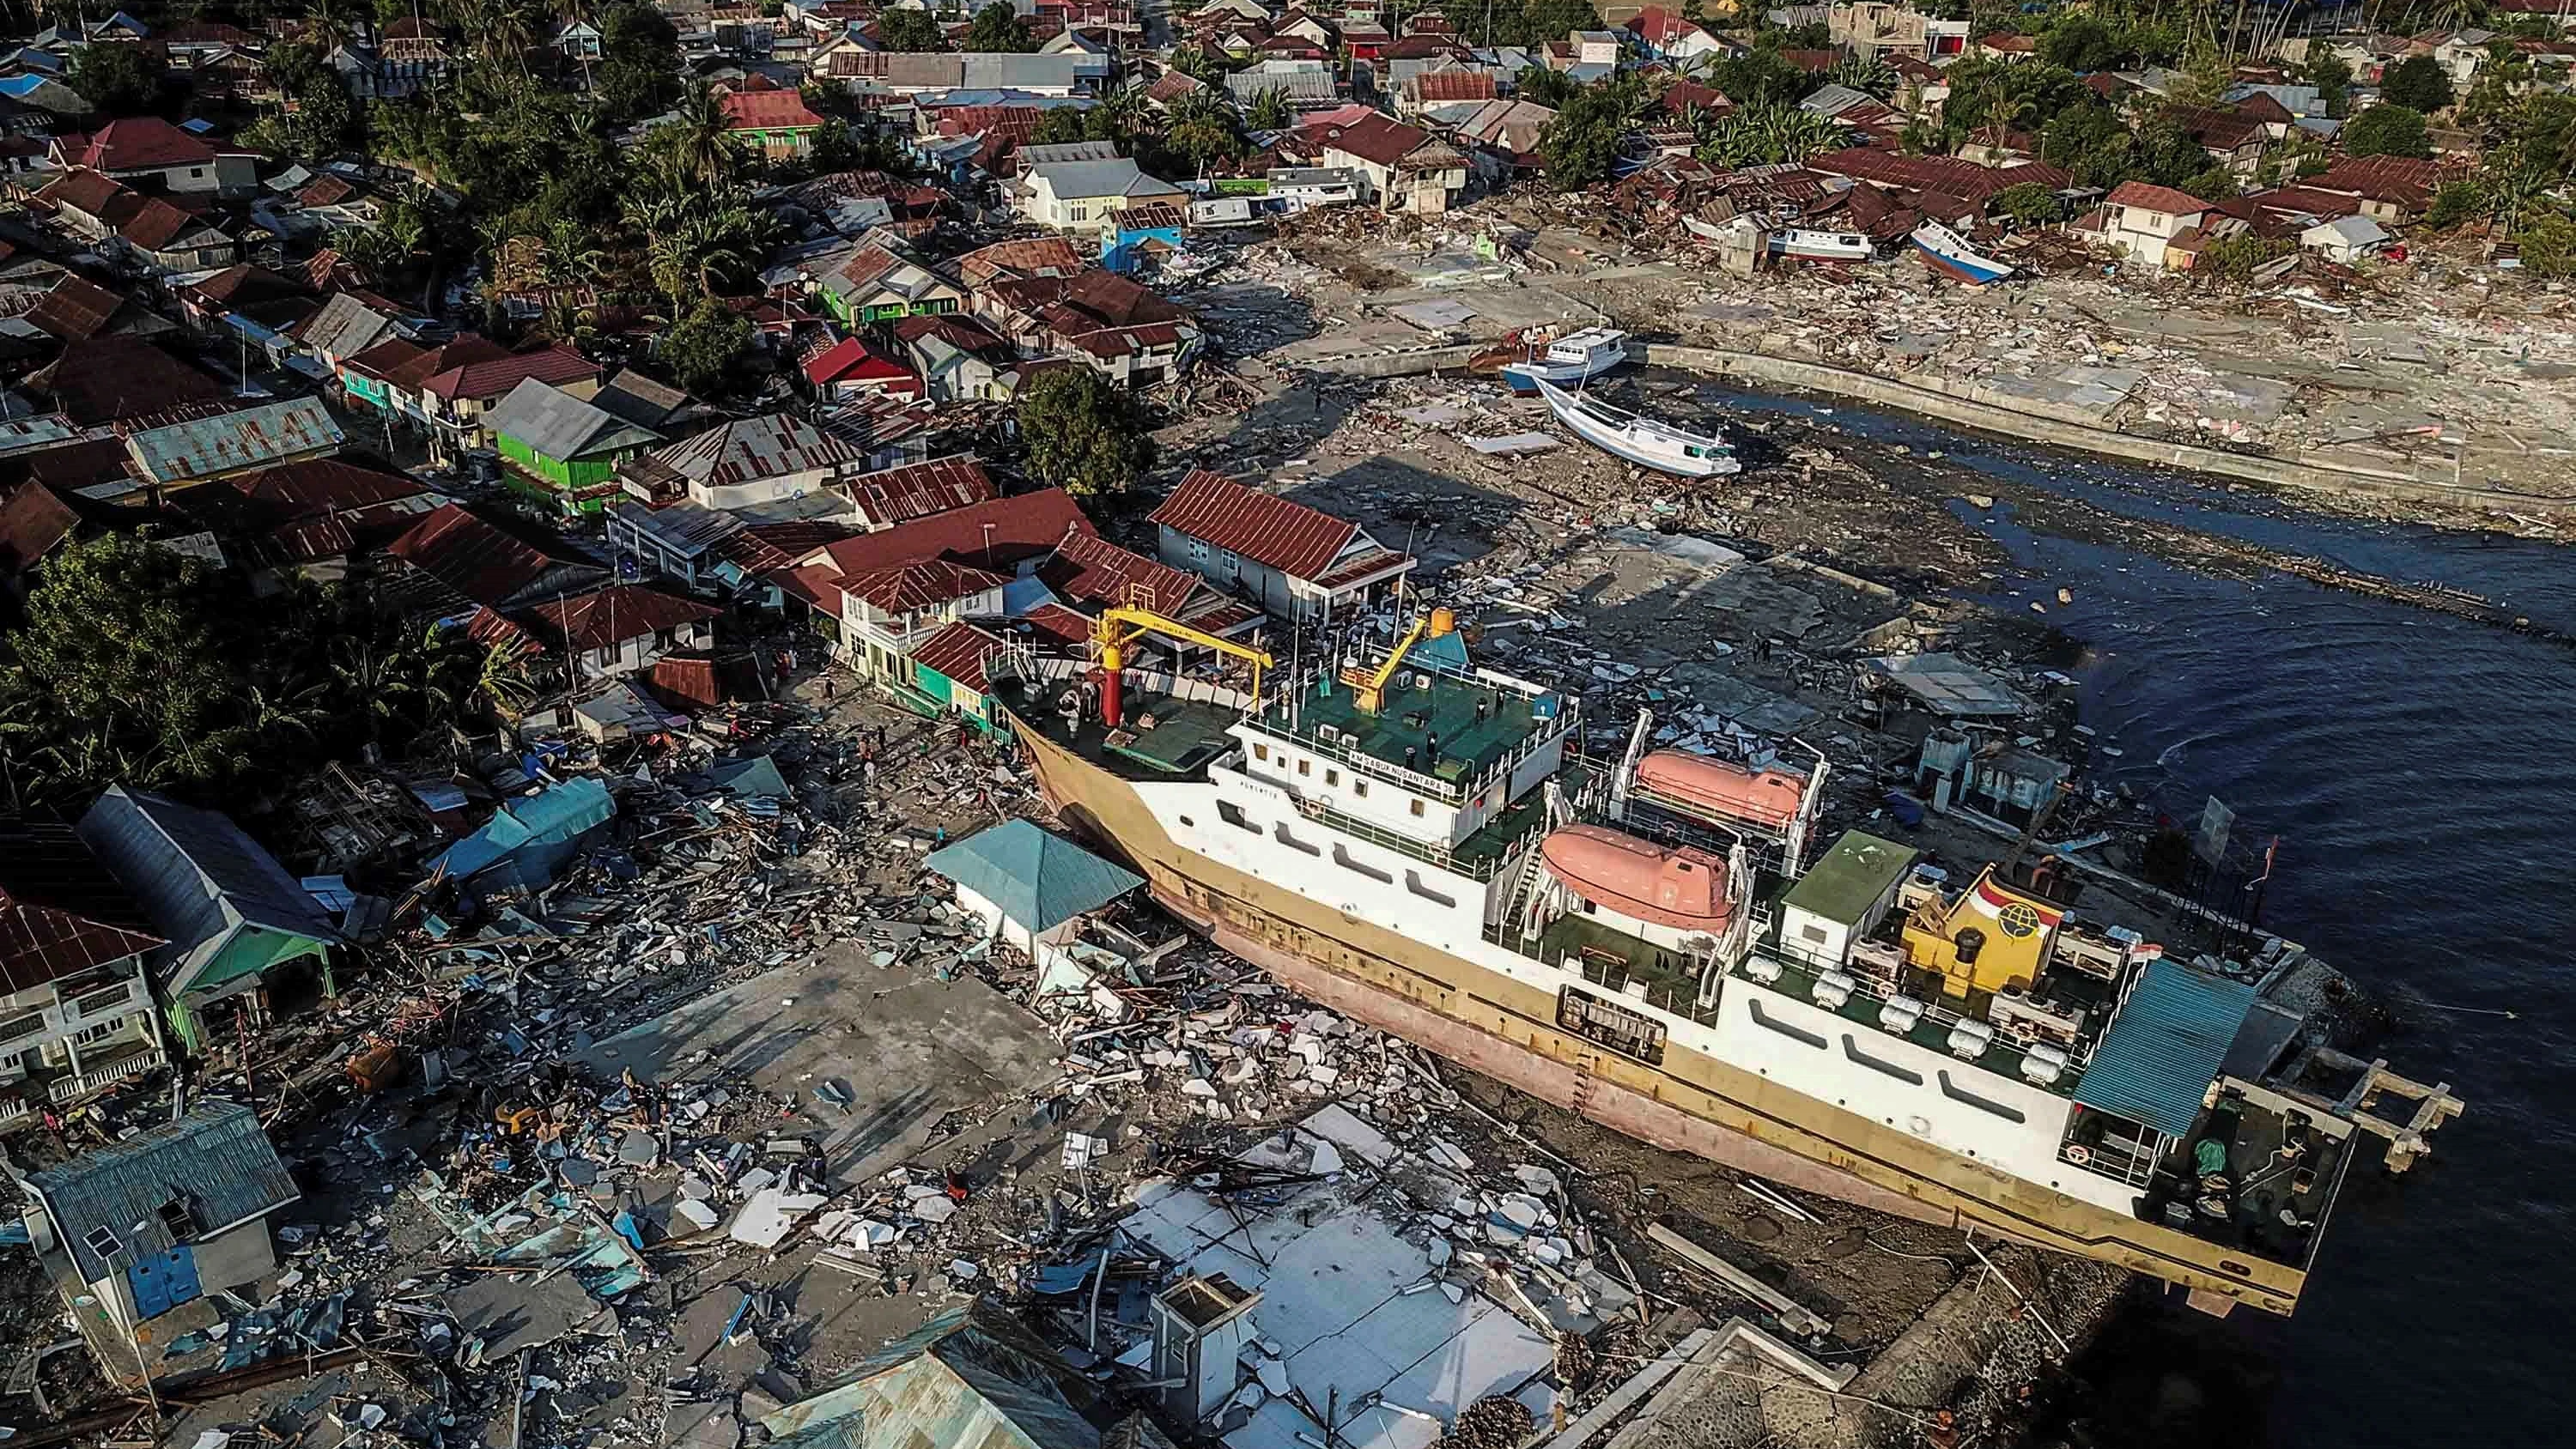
[[1947, 252], [1570, 361], [1641, 440]]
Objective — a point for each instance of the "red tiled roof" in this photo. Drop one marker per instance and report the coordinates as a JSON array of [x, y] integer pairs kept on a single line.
[[2155, 198], [1657, 26], [919, 583], [136, 143], [32, 521], [474, 557], [156, 224], [917, 490], [74, 309], [610, 616], [110, 379], [2398, 180], [83, 190], [1690, 94], [1061, 626], [60, 911], [1437, 86], [766, 546], [494, 378], [958, 653], [385, 358], [768, 111], [1023, 526], [1298, 541], [1813, 62], [325, 485], [852, 360], [1093, 570], [466, 350], [1379, 139]]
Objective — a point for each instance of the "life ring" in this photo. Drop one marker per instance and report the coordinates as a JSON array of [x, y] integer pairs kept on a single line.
[[2078, 1153]]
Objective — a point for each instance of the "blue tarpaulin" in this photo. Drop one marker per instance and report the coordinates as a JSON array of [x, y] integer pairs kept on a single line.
[[530, 839]]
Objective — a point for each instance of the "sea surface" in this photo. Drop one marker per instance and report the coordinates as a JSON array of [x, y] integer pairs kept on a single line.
[[2420, 772]]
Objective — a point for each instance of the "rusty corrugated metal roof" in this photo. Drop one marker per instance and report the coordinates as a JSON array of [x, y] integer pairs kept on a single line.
[[201, 448]]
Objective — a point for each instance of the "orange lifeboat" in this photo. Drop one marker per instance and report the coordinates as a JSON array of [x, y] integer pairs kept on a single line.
[[1768, 798], [1682, 887]]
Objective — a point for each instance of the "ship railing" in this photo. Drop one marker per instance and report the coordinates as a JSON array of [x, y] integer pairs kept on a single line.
[[1681, 999], [2130, 1162], [1938, 1016], [1429, 852]]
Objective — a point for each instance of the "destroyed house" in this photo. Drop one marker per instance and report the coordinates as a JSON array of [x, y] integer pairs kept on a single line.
[[239, 932], [77, 1014], [470, 561], [971, 1375], [1296, 562], [1407, 169], [620, 630], [172, 1214], [1118, 327], [529, 840]]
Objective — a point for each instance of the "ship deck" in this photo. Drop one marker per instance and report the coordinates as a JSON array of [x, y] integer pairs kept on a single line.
[[1477, 724], [1164, 738]]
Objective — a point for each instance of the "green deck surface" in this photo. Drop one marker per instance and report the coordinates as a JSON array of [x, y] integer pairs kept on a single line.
[[1447, 709], [1185, 734]]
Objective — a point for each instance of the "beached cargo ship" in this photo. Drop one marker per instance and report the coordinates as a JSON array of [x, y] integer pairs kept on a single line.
[[1654, 941]]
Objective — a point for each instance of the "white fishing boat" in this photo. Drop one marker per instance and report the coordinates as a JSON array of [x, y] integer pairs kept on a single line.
[[1822, 246], [1947, 252], [1641, 440], [1571, 359]]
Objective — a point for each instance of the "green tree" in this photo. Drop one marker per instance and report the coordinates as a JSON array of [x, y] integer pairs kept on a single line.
[[997, 28], [2548, 245], [2028, 203], [1083, 432], [1203, 144], [1059, 125], [2082, 43], [2387, 129], [1270, 111], [2236, 257], [709, 351], [1581, 145], [118, 79], [2418, 83], [1542, 85], [2456, 204], [909, 30], [2333, 80]]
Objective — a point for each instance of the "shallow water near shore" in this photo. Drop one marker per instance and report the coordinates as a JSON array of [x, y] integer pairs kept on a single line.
[[2420, 771]]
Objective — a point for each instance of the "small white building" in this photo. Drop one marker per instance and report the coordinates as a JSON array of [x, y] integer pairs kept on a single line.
[[2346, 239], [1296, 562], [2141, 222], [1029, 887], [1086, 196], [1842, 898]]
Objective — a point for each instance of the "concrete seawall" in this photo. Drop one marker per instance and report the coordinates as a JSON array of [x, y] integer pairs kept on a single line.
[[1936, 399]]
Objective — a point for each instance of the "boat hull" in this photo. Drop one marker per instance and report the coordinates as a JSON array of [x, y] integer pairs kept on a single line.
[[1689, 1103], [1616, 443], [1954, 259], [1524, 377]]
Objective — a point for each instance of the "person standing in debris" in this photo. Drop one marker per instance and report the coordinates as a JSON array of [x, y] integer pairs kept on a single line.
[[831, 687], [868, 774]]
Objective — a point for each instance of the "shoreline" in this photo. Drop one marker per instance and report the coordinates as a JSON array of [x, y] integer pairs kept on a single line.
[[1947, 408]]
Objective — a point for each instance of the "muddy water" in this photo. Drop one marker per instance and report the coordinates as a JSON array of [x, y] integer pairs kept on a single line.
[[2420, 771]]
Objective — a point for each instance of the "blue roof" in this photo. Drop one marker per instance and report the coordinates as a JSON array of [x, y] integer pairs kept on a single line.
[[2163, 1050], [217, 1157], [19, 85], [1039, 880], [550, 818]]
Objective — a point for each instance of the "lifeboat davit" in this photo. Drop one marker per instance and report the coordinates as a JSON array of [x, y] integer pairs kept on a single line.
[[1768, 798], [1682, 886]]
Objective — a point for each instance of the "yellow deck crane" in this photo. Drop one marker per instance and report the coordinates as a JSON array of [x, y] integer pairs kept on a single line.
[[1368, 686], [1119, 627]]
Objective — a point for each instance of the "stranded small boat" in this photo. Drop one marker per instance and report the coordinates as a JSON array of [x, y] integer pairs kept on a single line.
[[1681, 887], [1822, 246], [1641, 440], [1574, 358], [1947, 252]]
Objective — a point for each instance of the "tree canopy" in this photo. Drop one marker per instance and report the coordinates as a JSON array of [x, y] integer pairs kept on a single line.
[[1084, 432], [997, 28], [2418, 83], [709, 351], [1582, 143], [119, 80], [2387, 129], [909, 30]]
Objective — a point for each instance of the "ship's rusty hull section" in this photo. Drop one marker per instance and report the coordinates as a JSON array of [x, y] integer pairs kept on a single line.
[[1689, 1103]]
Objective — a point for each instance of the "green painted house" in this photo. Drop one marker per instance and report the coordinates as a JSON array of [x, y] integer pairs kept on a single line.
[[562, 450], [879, 283], [242, 937]]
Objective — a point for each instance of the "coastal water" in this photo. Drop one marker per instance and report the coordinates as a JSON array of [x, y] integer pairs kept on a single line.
[[2420, 772]]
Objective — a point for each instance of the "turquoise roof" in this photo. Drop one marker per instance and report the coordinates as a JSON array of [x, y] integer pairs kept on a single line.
[[2163, 1050], [1039, 880]]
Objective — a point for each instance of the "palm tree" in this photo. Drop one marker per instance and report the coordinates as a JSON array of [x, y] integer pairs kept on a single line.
[[701, 143], [1123, 109]]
